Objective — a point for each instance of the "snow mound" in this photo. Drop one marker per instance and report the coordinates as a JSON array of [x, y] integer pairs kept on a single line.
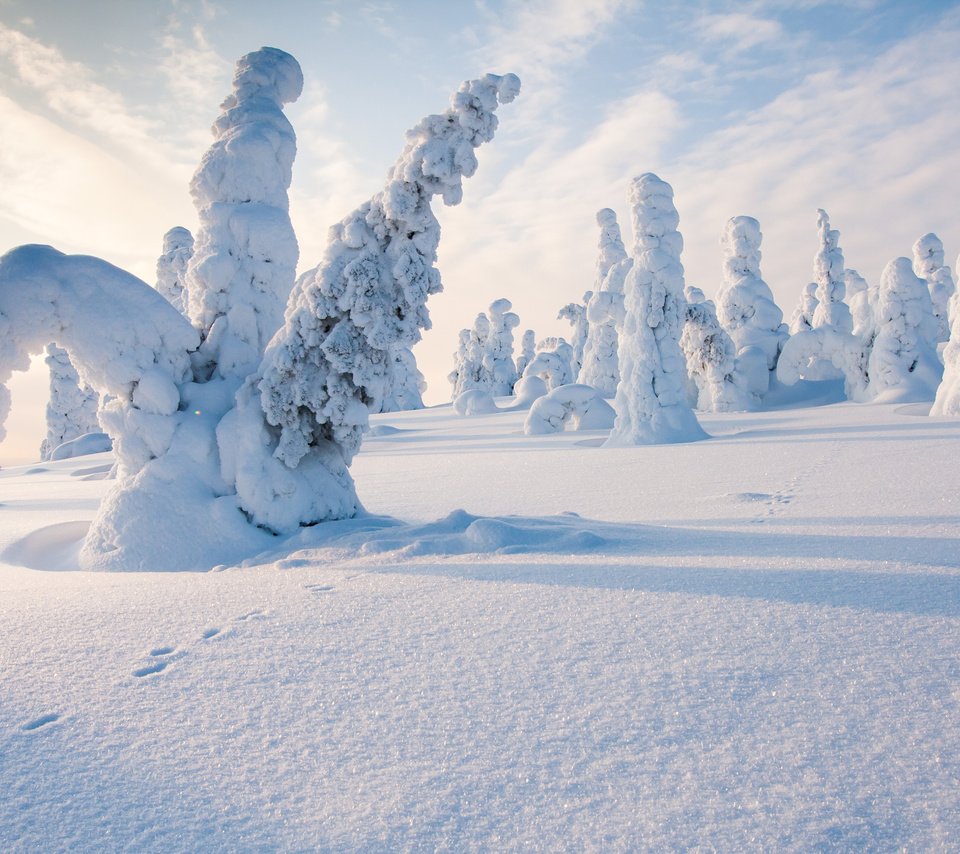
[[55, 547], [474, 401], [82, 446], [581, 407]]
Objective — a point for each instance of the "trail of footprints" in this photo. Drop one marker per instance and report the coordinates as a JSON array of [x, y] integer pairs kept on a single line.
[[777, 501]]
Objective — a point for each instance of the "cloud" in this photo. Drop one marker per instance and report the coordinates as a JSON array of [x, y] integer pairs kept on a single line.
[[740, 31]]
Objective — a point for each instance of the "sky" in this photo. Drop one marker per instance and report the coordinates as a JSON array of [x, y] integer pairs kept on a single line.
[[770, 108]]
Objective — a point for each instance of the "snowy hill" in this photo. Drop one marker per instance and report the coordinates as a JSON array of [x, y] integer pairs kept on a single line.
[[531, 643]]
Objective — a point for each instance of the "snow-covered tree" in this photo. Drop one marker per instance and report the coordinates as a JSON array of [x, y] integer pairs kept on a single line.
[[863, 305], [205, 473], [498, 364], [72, 409], [553, 362], [828, 273], [460, 371], [245, 256], [903, 363], [651, 402], [581, 407], [802, 318], [928, 264], [599, 366], [172, 267], [528, 349], [576, 314], [947, 401], [711, 358], [745, 305], [406, 385]]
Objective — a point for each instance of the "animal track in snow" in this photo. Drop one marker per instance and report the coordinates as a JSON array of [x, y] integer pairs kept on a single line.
[[209, 633], [42, 721], [319, 589], [150, 669], [162, 650]]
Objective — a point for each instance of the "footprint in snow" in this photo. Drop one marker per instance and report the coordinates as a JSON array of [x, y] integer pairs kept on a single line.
[[210, 633], [319, 589], [42, 721], [151, 668]]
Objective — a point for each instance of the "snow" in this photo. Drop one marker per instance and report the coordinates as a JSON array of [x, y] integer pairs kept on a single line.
[[573, 406], [172, 267], [726, 647]]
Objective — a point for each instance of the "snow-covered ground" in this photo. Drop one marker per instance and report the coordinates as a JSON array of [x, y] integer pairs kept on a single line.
[[750, 642]]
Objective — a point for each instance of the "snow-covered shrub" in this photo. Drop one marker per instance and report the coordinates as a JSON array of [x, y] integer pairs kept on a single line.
[[604, 310], [828, 268], [172, 267], [552, 362], [498, 364], [651, 402], [300, 418], [802, 318], [745, 304], [72, 409], [405, 385], [576, 314], [928, 264], [528, 349], [245, 256], [579, 407], [474, 401], [711, 359], [903, 363]]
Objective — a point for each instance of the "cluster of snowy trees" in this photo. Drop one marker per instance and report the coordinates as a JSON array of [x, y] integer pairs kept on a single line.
[[237, 398]]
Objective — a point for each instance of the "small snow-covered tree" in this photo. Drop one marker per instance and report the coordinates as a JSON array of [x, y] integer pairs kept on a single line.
[[650, 401], [405, 384], [903, 363], [802, 319], [576, 314], [928, 264], [863, 305], [528, 349], [245, 256], [552, 363], [604, 311], [172, 267], [72, 409], [828, 268], [711, 358], [745, 305], [581, 407], [498, 364], [456, 376]]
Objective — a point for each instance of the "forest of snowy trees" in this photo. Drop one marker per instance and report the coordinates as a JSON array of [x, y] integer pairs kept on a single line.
[[236, 394]]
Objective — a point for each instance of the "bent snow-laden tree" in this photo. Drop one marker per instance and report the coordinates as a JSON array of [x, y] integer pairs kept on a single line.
[[604, 313], [211, 463], [651, 399]]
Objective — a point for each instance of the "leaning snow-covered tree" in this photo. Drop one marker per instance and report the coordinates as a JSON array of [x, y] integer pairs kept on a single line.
[[211, 463], [172, 267], [745, 306], [72, 408], [928, 264], [711, 358], [599, 367], [497, 360], [903, 362], [651, 401]]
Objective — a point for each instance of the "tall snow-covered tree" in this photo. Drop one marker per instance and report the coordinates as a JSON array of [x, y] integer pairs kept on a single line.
[[72, 408], [711, 358], [576, 314], [928, 264], [205, 473], [903, 363], [863, 305], [468, 371], [245, 255], [599, 365], [172, 267], [405, 385], [498, 363], [528, 349], [947, 401], [828, 269], [745, 305], [651, 402]]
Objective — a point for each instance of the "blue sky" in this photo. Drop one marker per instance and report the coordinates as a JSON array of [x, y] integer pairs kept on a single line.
[[769, 108]]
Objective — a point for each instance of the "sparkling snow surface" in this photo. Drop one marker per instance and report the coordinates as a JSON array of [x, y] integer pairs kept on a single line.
[[746, 642]]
